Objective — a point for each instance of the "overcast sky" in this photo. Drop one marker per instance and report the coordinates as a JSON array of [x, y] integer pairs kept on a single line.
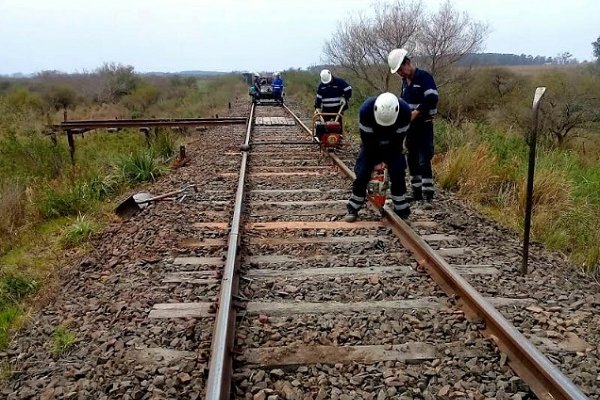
[[225, 35]]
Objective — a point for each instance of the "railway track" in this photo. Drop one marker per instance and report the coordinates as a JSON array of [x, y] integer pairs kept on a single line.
[[322, 309], [328, 309]]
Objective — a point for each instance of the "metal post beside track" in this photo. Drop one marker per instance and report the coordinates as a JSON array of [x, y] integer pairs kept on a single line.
[[537, 98]]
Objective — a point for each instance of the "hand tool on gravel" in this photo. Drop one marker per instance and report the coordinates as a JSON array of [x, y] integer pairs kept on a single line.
[[136, 202]]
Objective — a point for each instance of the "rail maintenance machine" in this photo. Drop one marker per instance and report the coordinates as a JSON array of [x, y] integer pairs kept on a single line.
[[328, 129]]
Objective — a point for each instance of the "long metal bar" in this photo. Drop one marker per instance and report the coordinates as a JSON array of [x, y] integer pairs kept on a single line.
[[544, 379], [300, 122], [282, 142], [537, 98], [209, 119], [135, 123], [218, 385]]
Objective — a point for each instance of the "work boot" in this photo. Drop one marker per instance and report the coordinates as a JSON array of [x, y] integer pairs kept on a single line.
[[350, 217], [404, 214], [416, 195]]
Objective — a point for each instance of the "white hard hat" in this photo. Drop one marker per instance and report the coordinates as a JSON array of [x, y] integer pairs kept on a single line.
[[256, 75], [326, 76], [395, 59], [386, 109]]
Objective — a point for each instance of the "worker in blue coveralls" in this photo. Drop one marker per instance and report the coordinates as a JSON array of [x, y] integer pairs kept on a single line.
[[420, 92], [332, 93], [383, 123], [278, 88]]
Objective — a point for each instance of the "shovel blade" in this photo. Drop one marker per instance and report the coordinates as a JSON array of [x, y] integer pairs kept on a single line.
[[127, 208], [131, 205]]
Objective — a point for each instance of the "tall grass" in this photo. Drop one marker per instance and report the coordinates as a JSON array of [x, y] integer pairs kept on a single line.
[[13, 212], [68, 198], [80, 231], [488, 167], [13, 288], [62, 340], [469, 170], [41, 191], [140, 166], [203, 98], [31, 157], [164, 144]]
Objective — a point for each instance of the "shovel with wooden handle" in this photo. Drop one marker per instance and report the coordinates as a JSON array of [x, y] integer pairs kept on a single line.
[[136, 202]]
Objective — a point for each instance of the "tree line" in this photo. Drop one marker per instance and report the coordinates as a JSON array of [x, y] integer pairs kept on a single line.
[[500, 59]]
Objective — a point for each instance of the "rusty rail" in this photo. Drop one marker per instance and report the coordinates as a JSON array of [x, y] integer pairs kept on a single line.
[[83, 125], [544, 379], [218, 385], [79, 127]]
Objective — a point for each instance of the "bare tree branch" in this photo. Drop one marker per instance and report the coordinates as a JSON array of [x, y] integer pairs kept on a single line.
[[362, 44]]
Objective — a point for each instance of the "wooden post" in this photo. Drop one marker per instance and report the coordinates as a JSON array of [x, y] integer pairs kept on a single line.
[[147, 134], [71, 146]]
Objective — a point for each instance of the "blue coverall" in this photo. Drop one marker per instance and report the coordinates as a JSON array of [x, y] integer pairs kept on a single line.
[[278, 90], [381, 144], [329, 96], [422, 95]]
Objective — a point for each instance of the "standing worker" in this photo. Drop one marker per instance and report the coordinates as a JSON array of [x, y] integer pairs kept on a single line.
[[383, 123], [278, 88], [420, 92], [332, 93]]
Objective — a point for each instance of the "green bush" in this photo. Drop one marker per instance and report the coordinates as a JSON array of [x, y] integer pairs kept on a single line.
[[15, 287], [140, 166], [8, 316], [13, 211], [60, 96], [141, 98], [31, 157], [164, 144], [78, 232], [62, 340], [75, 198]]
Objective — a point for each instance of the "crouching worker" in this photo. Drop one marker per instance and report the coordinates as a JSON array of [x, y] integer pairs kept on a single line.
[[383, 123], [255, 88]]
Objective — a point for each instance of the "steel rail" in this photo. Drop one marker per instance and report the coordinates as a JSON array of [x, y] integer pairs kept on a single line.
[[203, 119], [136, 123], [218, 385], [283, 142], [543, 377]]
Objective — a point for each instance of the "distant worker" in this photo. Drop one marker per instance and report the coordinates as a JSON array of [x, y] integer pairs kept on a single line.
[[278, 88], [420, 92], [255, 88], [383, 123], [332, 94]]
